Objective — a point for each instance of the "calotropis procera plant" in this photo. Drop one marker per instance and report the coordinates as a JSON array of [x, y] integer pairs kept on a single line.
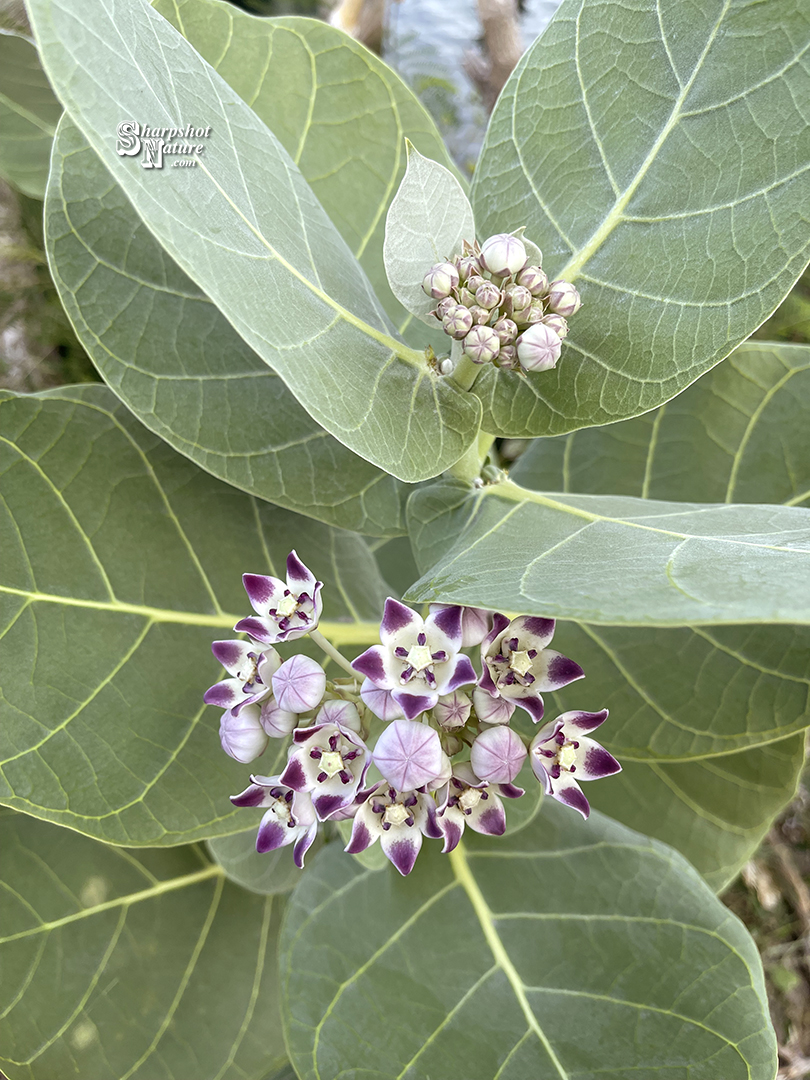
[[312, 336]]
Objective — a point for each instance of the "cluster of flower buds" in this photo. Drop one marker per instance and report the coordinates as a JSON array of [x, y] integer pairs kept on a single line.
[[444, 757], [501, 306]]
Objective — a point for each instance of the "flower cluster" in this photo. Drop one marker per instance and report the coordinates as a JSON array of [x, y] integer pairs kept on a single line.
[[501, 306], [445, 754]]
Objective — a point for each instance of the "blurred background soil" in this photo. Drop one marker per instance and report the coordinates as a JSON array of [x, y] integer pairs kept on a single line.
[[456, 55]]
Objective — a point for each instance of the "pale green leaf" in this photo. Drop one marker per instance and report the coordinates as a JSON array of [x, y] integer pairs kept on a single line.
[[122, 561], [272, 873], [131, 966], [29, 113], [178, 364], [340, 112], [569, 950], [610, 559], [660, 156], [715, 810], [245, 225], [427, 221]]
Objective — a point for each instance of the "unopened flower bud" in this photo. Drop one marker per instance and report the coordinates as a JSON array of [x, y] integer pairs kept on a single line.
[[475, 281], [516, 298], [452, 710], [277, 722], [538, 348], [451, 744], [480, 315], [409, 754], [557, 324], [535, 311], [497, 755], [243, 736], [534, 279], [440, 280], [563, 298], [506, 330], [379, 701], [299, 684], [492, 710], [503, 254], [445, 305], [342, 713], [467, 266], [488, 295], [466, 297], [507, 357], [446, 366], [457, 322], [481, 344]]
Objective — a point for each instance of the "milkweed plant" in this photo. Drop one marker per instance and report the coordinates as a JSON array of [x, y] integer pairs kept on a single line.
[[478, 493]]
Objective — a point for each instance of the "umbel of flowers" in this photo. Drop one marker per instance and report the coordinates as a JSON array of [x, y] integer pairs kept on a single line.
[[445, 755], [498, 302]]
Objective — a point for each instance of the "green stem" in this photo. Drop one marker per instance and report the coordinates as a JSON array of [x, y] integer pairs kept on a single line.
[[330, 650], [468, 467], [465, 372]]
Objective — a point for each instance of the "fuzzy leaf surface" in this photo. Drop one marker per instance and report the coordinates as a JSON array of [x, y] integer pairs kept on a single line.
[[246, 226], [29, 113], [106, 634], [178, 364], [660, 157], [109, 958], [568, 927]]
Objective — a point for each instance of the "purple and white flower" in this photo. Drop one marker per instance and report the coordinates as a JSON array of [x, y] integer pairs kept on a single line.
[[562, 755], [466, 800], [492, 710], [277, 722], [379, 701], [299, 684], [409, 755], [290, 816], [329, 761], [398, 819], [418, 659], [242, 734], [475, 623], [452, 711], [518, 665], [497, 755], [285, 610], [251, 671], [503, 254]]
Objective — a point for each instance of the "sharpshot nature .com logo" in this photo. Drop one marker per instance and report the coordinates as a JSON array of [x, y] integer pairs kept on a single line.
[[155, 142]]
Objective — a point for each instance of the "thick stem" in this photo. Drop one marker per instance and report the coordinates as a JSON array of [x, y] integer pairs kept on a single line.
[[468, 467], [330, 650], [465, 372]]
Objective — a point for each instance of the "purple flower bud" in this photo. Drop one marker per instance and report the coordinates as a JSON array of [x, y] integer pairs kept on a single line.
[[380, 701], [468, 266], [534, 312], [503, 254], [243, 736], [480, 315], [557, 324], [451, 744], [299, 684], [440, 280], [492, 710], [343, 713], [445, 305], [481, 344], [409, 754], [277, 722], [516, 298], [507, 357], [457, 322], [452, 710], [534, 279], [488, 295], [475, 281], [506, 330], [497, 755], [538, 348], [563, 298]]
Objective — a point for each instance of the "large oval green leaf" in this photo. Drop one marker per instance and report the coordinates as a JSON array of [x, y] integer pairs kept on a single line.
[[569, 950], [661, 160], [29, 113], [178, 364], [130, 966], [121, 562], [245, 225]]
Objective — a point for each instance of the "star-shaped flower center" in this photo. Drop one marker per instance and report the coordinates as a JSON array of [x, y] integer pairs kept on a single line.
[[332, 762], [512, 664], [287, 606], [250, 669], [396, 814], [469, 799], [420, 657], [567, 755], [520, 662]]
